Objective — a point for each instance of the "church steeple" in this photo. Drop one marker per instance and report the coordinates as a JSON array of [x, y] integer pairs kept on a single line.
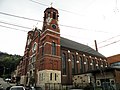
[[51, 19], [50, 59]]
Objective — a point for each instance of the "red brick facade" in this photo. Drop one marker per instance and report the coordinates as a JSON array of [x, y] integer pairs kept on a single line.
[[113, 59], [44, 51]]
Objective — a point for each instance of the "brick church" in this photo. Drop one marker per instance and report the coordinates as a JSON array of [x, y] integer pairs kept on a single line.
[[52, 59]]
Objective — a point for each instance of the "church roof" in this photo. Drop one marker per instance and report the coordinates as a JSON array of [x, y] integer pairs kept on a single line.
[[78, 46]]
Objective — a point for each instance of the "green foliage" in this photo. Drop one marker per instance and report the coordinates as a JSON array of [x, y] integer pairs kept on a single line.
[[8, 63]]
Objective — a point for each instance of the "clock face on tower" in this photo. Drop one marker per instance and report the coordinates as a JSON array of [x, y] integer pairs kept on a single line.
[[54, 26]]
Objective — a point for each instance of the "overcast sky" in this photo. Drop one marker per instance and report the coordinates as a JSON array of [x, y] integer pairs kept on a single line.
[[88, 20]]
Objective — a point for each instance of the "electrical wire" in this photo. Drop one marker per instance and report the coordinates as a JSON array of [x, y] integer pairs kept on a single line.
[[58, 8], [108, 39], [42, 21], [20, 17], [15, 25], [110, 43], [86, 49], [13, 28], [39, 3]]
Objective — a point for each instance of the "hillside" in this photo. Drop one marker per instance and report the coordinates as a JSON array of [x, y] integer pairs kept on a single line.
[[8, 63]]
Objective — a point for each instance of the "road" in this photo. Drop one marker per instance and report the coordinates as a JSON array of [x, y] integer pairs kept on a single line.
[[4, 84]]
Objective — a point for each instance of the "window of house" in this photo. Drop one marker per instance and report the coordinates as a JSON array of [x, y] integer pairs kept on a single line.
[[53, 48], [73, 64], [63, 64]]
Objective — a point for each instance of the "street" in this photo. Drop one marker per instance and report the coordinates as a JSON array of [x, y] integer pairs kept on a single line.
[[4, 84]]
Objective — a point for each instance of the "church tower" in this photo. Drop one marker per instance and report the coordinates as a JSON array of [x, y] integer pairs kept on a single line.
[[49, 71], [51, 20]]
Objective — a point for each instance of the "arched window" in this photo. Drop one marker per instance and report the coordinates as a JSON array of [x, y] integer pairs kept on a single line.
[[81, 64], [98, 61], [91, 64], [73, 64], [55, 76], [48, 14], [42, 49], [34, 47], [50, 76], [94, 64], [84, 63], [63, 64], [87, 64], [54, 15], [53, 48]]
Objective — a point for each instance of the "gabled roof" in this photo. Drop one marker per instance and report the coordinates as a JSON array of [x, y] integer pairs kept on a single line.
[[78, 46]]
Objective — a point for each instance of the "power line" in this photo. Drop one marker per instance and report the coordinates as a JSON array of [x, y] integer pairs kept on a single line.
[[58, 8], [72, 27], [109, 39], [42, 21], [13, 28], [15, 25], [110, 43], [86, 49], [20, 17], [39, 3]]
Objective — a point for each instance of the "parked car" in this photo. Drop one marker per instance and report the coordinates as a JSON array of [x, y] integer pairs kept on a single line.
[[17, 88], [1, 87], [8, 80], [29, 88], [32, 88]]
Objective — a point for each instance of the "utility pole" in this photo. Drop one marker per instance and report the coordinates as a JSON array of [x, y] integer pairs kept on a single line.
[[96, 45]]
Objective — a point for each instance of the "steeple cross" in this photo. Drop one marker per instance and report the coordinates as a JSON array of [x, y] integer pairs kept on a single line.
[[51, 4]]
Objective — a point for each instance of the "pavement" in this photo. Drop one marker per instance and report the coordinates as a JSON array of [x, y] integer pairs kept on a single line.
[[4, 84]]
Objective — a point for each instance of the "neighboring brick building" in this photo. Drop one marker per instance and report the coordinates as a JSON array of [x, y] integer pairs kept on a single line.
[[51, 59], [114, 60]]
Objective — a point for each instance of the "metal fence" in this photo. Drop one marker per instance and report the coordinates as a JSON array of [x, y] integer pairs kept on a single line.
[[104, 86], [57, 86]]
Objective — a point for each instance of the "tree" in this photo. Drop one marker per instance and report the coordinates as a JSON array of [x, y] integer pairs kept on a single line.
[[8, 63]]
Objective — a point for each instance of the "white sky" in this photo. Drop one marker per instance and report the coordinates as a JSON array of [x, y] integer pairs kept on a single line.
[[96, 19]]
